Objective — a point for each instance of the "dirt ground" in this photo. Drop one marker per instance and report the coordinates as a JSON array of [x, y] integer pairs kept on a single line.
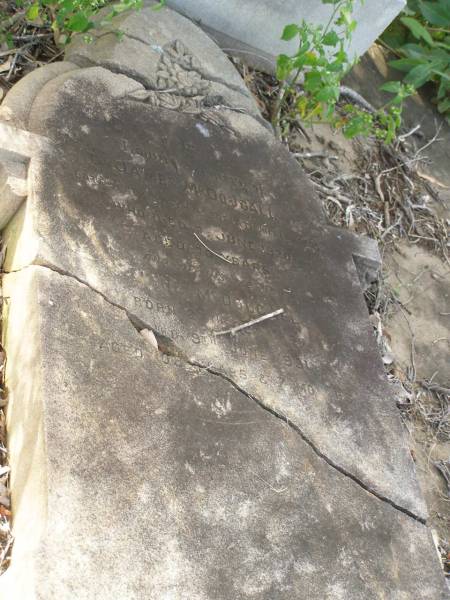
[[411, 317], [419, 335], [418, 327]]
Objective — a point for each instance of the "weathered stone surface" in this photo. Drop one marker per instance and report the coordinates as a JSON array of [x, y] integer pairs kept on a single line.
[[16, 106], [13, 187], [367, 259], [253, 28], [124, 192], [186, 219], [19, 144], [163, 51], [17, 147], [138, 476]]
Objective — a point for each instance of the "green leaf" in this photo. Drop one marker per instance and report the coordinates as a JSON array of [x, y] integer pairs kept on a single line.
[[441, 55], [311, 59], [33, 12], [299, 62], [419, 75], [160, 5], [330, 39], [289, 32], [345, 17], [359, 124], [444, 106], [391, 86], [405, 64], [417, 29], [327, 94], [436, 13], [415, 50], [395, 35], [78, 22], [336, 67], [444, 87], [313, 81], [284, 67]]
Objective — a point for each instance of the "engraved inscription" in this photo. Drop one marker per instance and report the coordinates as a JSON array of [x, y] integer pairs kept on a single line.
[[121, 348], [153, 305]]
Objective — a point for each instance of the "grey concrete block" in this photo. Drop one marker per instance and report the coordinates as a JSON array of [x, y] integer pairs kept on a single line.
[[253, 28]]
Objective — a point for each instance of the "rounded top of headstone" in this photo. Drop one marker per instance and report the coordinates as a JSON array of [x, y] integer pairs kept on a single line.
[[168, 54]]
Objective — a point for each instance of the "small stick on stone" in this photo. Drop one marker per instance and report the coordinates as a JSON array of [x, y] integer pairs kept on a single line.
[[402, 138], [212, 251], [234, 330], [314, 155], [356, 98]]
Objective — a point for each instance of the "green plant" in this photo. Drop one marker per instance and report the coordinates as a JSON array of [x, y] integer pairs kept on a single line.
[[321, 61], [421, 38], [66, 17]]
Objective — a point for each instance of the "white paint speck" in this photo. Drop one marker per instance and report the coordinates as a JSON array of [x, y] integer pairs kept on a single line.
[[221, 408], [203, 129], [189, 468]]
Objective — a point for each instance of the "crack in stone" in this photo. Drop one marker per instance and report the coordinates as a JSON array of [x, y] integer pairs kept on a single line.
[[310, 443], [84, 62], [200, 72], [168, 347]]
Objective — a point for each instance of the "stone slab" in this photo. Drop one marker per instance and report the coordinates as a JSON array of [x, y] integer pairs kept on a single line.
[[123, 193], [138, 476], [252, 28], [155, 209]]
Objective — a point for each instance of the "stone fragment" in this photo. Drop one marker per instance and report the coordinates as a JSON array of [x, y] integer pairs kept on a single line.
[[13, 188], [253, 28], [17, 148], [138, 476], [367, 258], [19, 144]]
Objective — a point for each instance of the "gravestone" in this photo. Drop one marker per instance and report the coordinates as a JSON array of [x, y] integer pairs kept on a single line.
[[157, 452]]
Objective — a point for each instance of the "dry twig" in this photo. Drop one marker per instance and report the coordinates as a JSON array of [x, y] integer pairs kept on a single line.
[[234, 330]]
